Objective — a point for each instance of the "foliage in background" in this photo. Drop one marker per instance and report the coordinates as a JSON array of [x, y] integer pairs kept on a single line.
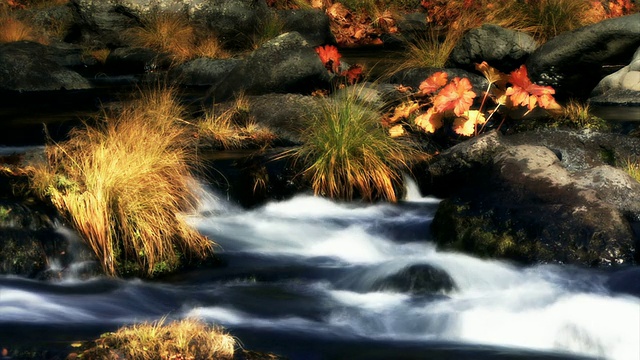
[[125, 183], [181, 339], [347, 153]]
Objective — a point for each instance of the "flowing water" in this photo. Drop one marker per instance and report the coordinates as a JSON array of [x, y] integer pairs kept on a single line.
[[309, 278]]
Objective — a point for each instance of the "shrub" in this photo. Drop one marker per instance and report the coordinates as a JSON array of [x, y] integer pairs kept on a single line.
[[124, 182], [346, 151], [183, 339]]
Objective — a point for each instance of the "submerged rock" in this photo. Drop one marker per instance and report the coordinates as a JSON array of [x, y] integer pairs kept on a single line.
[[621, 87], [420, 279]]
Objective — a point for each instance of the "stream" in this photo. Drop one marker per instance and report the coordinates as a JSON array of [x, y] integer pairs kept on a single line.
[[309, 278]]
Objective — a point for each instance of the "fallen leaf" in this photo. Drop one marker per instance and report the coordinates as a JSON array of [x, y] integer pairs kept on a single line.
[[330, 57], [353, 74]]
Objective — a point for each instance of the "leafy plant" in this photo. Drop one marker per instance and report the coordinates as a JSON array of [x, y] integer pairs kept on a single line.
[[124, 183], [346, 152], [453, 99], [181, 339]]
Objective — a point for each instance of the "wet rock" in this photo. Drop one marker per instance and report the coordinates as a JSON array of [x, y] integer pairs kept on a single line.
[[503, 49], [419, 279], [621, 87], [134, 60], [572, 62], [286, 64], [517, 199], [27, 66]]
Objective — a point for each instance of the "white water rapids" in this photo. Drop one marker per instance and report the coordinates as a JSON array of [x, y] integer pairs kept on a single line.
[[343, 250]]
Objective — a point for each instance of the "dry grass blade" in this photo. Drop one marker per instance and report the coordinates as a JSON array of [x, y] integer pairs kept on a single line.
[[12, 30], [124, 184]]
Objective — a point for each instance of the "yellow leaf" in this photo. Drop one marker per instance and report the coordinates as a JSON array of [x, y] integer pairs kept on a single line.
[[475, 116], [494, 76], [429, 121], [76, 344], [404, 110], [464, 126], [396, 131]]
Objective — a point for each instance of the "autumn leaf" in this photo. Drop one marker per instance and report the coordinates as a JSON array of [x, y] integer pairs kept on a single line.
[[464, 126], [456, 96], [429, 121], [330, 57], [524, 92], [353, 74], [433, 83], [404, 110], [492, 74], [396, 131], [403, 89]]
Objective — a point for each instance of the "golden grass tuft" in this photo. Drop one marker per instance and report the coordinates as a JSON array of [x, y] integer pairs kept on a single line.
[[173, 34], [432, 50], [124, 184], [268, 28], [232, 128], [12, 30], [577, 114], [183, 339], [346, 152], [632, 168]]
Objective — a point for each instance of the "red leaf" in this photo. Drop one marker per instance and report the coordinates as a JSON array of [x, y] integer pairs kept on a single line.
[[433, 83], [353, 74], [330, 57], [456, 96]]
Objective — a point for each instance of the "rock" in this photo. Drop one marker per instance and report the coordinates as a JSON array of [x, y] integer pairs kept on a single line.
[[420, 279], [503, 49], [313, 25], [100, 23], [286, 64], [202, 71], [572, 62], [27, 66], [621, 87], [515, 199], [56, 20], [234, 21]]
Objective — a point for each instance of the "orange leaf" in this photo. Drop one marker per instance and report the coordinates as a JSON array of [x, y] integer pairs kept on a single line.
[[429, 121], [525, 93], [456, 96], [433, 83], [330, 57], [353, 74]]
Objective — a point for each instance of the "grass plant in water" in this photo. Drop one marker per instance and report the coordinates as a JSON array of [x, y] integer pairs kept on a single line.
[[347, 153], [576, 114], [124, 183], [183, 339]]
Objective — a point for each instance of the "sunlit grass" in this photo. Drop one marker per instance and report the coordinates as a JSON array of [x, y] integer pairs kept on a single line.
[[552, 17], [12, 29], [431, 50], [183, 339], [577, 114], [632, 168], [347, 153], [124, 183]]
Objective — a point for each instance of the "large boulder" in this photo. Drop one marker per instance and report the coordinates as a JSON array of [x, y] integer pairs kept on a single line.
[[202, 71], [234, 21], [27, 67], [312, 24], [522, 199], [621, 87], [572, 62], [286, 64], [503, 49]]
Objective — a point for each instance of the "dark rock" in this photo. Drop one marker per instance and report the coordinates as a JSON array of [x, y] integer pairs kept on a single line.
[[621, 87], [100, 23], [420, 279], [572, 62], [313, 25], [234, 21], [134, 60], [27, 66], [55, 20], [203, 71], [516, 199], [286, 64], [503, 49]]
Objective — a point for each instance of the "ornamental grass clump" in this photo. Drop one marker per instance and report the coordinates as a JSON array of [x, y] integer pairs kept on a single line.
[[183, 339], [125, 183], [347, 153]]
